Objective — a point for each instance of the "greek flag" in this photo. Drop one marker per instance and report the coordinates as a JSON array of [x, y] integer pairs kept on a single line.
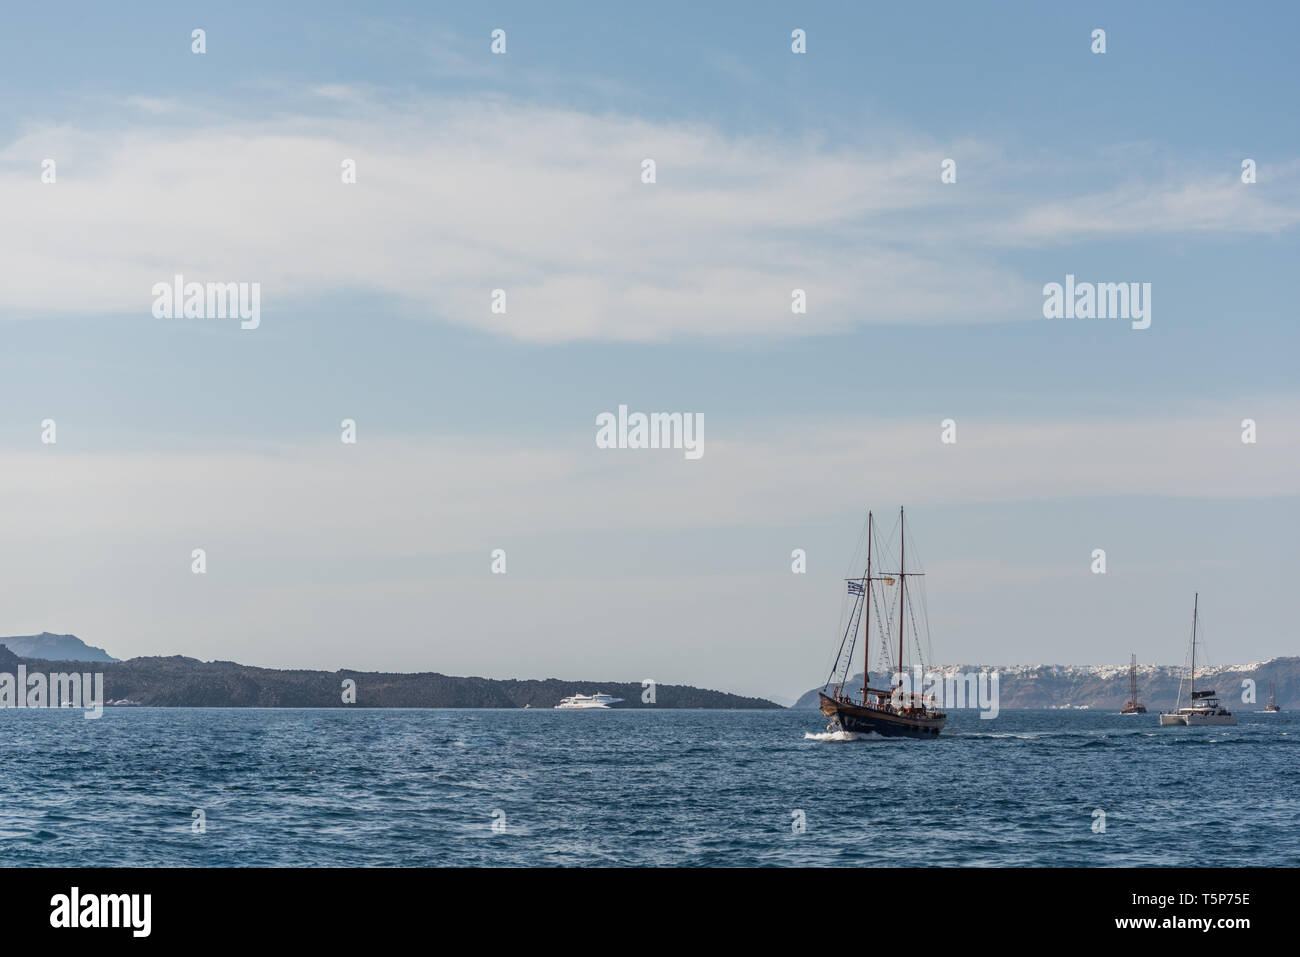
[[855, 588]]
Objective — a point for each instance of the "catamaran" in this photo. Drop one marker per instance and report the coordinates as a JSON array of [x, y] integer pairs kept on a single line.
[[587, 702], [892, 712], [1203, 707]]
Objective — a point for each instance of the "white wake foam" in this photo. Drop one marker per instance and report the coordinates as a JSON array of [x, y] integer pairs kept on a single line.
[[838, 737]]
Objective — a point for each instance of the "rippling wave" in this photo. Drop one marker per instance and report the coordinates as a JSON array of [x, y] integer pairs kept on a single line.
[[697, 788]]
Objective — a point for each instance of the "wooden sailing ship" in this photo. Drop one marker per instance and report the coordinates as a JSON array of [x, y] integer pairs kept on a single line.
[[1133, 706], [1271, 707], [893, 712]]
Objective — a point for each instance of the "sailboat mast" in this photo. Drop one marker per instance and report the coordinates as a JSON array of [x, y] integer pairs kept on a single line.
[[1196, 601], [902, 590], [866, 618]]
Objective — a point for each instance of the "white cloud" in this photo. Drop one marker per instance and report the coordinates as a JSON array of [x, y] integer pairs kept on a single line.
[[1192, 205], [456, 199], [155, 105], [459, 197]]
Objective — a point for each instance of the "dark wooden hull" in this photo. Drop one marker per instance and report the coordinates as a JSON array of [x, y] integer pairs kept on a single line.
[[863, 719], [1133, 709]]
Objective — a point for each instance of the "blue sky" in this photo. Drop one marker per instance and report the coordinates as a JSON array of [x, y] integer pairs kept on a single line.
[[476, 432]]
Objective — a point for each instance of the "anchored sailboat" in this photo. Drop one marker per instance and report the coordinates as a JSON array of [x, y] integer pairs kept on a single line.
[[1271, 707], [1203, 707], [1134, 706], [891, 712]]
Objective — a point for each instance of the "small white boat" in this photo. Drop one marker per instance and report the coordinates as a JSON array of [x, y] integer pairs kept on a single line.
[[584, 702], [1203, 708]]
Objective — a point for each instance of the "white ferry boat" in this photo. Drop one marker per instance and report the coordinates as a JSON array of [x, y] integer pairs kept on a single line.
[[1204, 707], [584, 702]]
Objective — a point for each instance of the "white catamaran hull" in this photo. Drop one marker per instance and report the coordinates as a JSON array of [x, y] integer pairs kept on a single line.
[[1199, 720]]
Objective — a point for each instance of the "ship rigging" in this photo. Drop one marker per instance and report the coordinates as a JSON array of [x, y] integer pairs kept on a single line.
[[896, 711]]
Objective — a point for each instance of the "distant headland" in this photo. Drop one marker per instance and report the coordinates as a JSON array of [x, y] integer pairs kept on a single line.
[[55, 648], [177, 681]]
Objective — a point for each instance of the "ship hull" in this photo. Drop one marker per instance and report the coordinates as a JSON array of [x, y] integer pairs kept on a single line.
[[866, 720], [1199, 720], [1195, 720]]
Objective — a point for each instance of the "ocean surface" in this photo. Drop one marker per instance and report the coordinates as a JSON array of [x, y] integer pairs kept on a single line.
[[284, 787]]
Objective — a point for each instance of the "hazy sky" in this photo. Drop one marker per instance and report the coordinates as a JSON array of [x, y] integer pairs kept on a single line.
[[476, 431]]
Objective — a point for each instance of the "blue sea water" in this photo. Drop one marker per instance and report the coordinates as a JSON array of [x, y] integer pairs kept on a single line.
[[289, 787]]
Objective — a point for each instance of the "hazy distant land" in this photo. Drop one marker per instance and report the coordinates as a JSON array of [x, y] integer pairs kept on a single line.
[[177, 681], [1106, 687], [55, 648]]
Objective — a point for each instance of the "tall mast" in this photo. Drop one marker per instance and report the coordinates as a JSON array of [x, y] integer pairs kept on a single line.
[[1133, 679], [866, 618], [902, 590], [1195, 604]]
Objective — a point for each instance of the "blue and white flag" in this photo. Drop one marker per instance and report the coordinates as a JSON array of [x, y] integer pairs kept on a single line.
[[855, 588]]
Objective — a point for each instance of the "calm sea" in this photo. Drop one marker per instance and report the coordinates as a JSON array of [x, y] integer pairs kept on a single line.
[[423, 787]]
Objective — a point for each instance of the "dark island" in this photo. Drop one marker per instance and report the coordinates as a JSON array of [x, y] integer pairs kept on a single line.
[[181, 682]]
